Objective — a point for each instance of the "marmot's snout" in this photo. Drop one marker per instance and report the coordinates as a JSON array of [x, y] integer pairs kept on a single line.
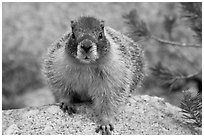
[[87, 51], [86, 45]]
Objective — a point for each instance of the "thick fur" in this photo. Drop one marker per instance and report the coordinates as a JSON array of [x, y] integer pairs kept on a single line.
[[132, 54], [107, 82]]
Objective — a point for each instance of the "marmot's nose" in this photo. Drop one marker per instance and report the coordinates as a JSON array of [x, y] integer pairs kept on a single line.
[[86, 46]]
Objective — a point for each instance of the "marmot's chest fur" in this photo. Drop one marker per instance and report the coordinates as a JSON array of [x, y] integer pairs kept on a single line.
[[85, 77]]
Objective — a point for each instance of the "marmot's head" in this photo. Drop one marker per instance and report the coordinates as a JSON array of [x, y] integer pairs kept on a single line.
[[87, 42]]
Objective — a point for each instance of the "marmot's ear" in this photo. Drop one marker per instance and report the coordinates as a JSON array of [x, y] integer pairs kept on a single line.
[[102, 24], [72, 24]]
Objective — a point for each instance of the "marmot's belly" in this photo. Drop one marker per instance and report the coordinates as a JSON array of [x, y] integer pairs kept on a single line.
[[80, 83], [81, 91]]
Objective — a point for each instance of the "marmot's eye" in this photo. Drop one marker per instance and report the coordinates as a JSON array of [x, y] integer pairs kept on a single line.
[[73, 36], [100, 35]]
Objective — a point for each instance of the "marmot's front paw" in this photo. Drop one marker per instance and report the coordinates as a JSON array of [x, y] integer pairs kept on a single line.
[[70, 109], [105, 129]]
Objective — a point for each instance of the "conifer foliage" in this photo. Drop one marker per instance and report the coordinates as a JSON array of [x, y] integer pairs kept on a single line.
[[192, 108], [174, 80]]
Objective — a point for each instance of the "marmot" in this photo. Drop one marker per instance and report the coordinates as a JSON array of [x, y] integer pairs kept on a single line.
[[94, 63]]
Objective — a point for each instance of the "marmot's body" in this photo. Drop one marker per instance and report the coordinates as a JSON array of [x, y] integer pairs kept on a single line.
[[94, 63]]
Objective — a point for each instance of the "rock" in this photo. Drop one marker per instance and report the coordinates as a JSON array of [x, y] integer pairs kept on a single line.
[[143, 115]]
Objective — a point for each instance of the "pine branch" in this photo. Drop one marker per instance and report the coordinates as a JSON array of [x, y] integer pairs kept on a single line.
[[193, 13], [166, 77], [192, 108], [164, 73], [171, 79], [173, 43], [192, 75], [138, 27], [169, 23]]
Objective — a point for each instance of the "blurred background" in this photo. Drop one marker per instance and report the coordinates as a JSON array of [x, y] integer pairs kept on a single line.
[[29, 28]]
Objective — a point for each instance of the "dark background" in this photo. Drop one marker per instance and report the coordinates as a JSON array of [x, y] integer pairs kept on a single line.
[[29, 28]]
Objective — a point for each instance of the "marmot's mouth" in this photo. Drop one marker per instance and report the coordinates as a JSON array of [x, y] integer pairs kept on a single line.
[[86, 58]]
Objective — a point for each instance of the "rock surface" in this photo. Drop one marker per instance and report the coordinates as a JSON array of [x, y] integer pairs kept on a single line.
[[143, 115]]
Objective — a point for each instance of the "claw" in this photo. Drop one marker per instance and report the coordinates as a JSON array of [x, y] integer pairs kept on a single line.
[[105, 129], [67, 108]]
